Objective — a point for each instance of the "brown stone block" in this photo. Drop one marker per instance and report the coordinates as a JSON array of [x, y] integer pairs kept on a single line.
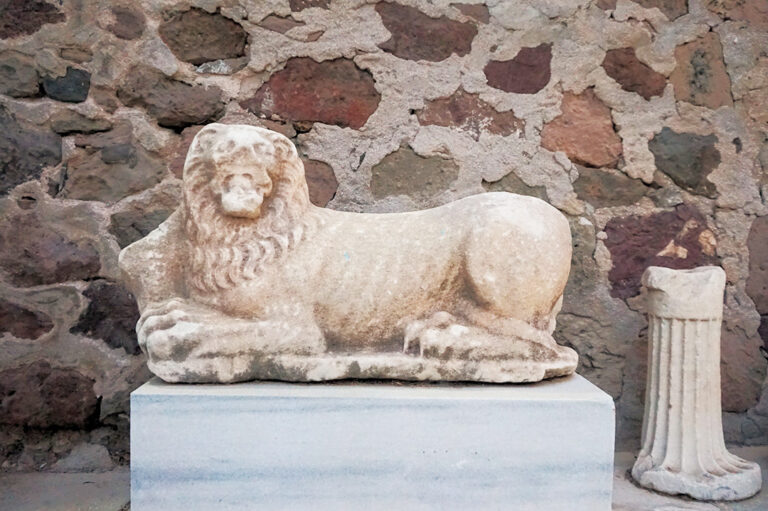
[[196, 36], [584, 131], [416, 36], [700, 76], [633, 75]]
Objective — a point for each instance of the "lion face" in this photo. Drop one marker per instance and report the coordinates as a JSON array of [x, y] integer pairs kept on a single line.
[[245, 203], [241, 179], [242, 191]]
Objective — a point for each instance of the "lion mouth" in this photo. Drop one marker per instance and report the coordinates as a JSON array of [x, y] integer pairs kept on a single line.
[[242, 205]]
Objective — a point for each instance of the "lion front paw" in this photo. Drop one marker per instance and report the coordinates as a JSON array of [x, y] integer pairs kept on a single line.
[[169, 331]]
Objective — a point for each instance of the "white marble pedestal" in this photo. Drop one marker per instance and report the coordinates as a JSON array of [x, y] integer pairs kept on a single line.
[[367, 446]]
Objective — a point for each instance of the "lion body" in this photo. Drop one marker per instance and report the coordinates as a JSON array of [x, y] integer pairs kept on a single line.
[[365, 276]]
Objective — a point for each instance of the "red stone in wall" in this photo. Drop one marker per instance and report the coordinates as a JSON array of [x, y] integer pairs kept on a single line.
[[331, 92], [469, 113], [40, 396], [527, 73], [321, 181], [416, 36], [675, 239]]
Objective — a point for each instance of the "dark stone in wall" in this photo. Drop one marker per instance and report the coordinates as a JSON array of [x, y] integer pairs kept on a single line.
[[24, 151], [527, 73], [112, 173], [22, 322], [18, 77], [416, 36], [179, 157], [672, 9], [23, 17], [66, 122], [105, 98], [331, 92], [111, 315], [469, 113], [513, 184], [77, 54], [300, 5], [757, 282], [687, 158], [633, 75], [72, 87], [111, 167], [196, 36], [321, 181], [39, 396], [584, 274], [605, 188], [36, 253], [130, 226], [673, 239], [173, 103], [406, 173], [129, 23], [280, 24], [606, 5]]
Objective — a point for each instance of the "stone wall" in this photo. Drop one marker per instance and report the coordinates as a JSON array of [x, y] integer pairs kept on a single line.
[[645, 122]]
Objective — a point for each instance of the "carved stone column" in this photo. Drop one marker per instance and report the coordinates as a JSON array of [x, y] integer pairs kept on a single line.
[[683, 448]]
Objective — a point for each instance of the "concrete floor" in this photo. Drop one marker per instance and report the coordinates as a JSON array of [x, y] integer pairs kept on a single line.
[[110, 491], [46, 491]]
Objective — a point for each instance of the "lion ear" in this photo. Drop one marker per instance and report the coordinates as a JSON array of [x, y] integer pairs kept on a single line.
[[203, 141], [284, 148]]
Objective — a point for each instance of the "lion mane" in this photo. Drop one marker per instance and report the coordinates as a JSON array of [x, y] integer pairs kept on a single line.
[[226, 251]]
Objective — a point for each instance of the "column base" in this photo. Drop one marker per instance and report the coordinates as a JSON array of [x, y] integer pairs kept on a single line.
[[731, 485]]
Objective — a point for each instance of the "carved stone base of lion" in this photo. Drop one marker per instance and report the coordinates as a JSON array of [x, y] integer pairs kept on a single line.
[[248, 280], [239, 350]]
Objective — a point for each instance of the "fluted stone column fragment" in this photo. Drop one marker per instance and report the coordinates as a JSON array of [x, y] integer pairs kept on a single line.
[[683, 450]]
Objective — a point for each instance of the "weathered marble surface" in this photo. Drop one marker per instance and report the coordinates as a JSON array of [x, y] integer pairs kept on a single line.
[[249, 280], [363, 446], [683, 446]]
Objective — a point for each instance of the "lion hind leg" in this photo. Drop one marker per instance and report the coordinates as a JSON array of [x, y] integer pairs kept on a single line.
[[478, 335], [415, 330]]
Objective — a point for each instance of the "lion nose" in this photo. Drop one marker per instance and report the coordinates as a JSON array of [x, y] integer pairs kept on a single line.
[[238, 183]]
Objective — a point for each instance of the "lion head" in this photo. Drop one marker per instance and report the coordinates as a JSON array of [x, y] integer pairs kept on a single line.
[[245, 203]]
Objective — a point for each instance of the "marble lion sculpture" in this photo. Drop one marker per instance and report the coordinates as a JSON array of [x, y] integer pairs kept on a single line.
[[249, 280]]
